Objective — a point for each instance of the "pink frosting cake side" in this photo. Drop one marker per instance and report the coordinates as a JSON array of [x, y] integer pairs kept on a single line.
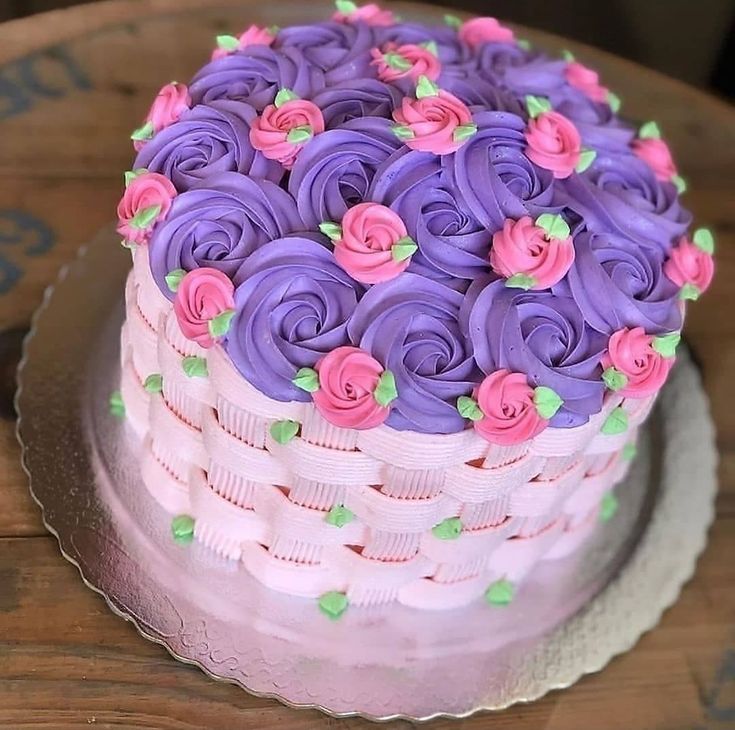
[[429, 520]]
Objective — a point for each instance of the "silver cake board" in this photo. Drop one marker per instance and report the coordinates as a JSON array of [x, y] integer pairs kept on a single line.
[[569, 618]]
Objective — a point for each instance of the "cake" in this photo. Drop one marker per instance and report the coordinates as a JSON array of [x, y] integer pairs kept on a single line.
[[401, 298]]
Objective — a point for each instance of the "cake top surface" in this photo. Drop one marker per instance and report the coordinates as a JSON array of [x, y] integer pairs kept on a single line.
[[430, 228]]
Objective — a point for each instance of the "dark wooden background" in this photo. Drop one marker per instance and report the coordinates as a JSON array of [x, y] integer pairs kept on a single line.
[[693, 40]]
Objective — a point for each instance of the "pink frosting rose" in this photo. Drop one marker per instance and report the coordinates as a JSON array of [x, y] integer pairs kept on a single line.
[[146, 192], [369, 231], [168, 106], [630, 351], [371, 14], [586, 80], [522, 247], [202, 295], [348, 377], [477, 31], [553, 143], [253, 36], [421, 62], [432, 122], [509, 413], [272, 132], [689, 264], [657, 155]]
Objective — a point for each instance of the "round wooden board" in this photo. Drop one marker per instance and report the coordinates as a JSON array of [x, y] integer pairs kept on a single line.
[[73, 83]]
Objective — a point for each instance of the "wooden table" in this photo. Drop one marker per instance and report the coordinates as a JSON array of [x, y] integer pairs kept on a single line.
[[73, 83]]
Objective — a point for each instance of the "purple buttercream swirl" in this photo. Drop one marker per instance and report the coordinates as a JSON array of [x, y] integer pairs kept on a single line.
[[255, 75], [411, 326], [618, 283], [292, 306], [340, 50], [453, 244], [357, 99], [449, 48], [219, 223], [209, 139], [333, 172], [543, 335], [493, 175], [620, 193]]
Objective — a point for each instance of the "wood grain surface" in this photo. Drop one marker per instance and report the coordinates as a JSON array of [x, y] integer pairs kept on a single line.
[[73, 83]]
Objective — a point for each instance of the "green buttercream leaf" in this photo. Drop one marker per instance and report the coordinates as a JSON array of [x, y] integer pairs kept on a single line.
[[523, 44], [283, 96], [567, 55], [339, 516], [145, 217], [173, 279], [680, 182], [666, 345], [130, 175], [536, 105], [182, 528], [228, 43], [649, 130], [614, 379], [144, 133], [403, 248], [397, 61], [608, 507], [426, 87], [334, 603], [403, 132], [704, 239], [116, 404], [464, 131], [689, 291], [586, 158], [332, 230], [547, 401], [307, 379], [467, 408], [298, 135], [520, 281], [449, 529], [194, 366], [452, 21], [431, 47], [554, 225], [346, 7], [629, 451], [219, 326], [500, 593], [616, 422], [153, 383], [385, 392], [614, 101], [283, 431]]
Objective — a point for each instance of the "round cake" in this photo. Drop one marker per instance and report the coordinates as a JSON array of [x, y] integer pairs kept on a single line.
[[401, 298]]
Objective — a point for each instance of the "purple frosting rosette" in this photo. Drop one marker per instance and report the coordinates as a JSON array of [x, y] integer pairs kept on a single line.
[[334, 171], [411, 326], [449, 48], [495, 178], [219, 223], [543, 335], [452, 243], [208, 139], [340, 50], [620, 193], [618, 283], [355, 99], [255, 75], [292, 307]]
